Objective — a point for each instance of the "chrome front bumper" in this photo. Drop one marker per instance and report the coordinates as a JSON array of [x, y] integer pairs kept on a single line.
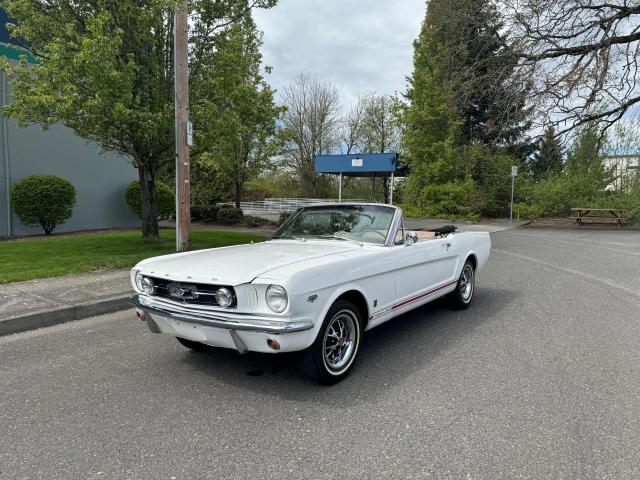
[[240, 322]]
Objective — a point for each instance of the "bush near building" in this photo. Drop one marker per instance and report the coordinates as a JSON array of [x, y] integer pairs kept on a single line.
[[165, 199], [44, 200]]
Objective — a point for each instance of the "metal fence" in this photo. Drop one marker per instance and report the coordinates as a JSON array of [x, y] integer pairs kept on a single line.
[[271, 208]]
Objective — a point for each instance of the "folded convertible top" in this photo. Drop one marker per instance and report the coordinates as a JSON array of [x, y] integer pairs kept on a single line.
[[445, 230]]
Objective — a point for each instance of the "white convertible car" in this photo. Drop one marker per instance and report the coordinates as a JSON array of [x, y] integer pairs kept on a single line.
[[329, 273]]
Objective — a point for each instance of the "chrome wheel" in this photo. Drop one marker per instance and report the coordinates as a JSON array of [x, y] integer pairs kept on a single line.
[[340, 341], [466, 283]]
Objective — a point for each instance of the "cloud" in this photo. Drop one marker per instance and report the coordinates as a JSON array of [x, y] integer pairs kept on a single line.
[[357, 45]]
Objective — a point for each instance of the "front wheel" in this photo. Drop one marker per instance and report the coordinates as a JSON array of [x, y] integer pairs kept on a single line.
[[332, 355], [461, 297]]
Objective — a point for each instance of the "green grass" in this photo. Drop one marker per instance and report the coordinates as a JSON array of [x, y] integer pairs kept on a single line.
[[63, 255]]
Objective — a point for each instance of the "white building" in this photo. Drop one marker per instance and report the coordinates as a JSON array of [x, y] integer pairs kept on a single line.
[[625, 169]]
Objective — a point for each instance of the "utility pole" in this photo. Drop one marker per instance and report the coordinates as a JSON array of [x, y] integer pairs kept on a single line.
[[181, 72], [514, 172]]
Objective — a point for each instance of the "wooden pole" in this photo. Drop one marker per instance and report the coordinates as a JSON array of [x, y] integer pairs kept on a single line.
[[181, 69], [513, 187], [373, 188]]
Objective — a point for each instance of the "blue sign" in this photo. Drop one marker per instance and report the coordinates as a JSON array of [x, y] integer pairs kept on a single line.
[[354, 164]]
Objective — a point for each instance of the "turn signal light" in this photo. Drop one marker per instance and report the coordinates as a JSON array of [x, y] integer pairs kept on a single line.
[[273, 344], [140, 315]]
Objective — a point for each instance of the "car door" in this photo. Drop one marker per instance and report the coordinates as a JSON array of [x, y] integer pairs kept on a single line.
[[424, 270]]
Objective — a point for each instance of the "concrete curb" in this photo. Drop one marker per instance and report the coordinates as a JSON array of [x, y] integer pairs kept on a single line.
[[62, 315]]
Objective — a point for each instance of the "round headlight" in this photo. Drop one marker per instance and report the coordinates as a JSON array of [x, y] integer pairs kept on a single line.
[[138, 280], [276, 297], [147, 285], [224, 297]]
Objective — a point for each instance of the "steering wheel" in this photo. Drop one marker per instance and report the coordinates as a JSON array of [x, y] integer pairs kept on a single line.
[[383, 235]]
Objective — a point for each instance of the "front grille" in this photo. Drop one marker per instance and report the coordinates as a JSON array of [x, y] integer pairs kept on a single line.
[[188, 293]]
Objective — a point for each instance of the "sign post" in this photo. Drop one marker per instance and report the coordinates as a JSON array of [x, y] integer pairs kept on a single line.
[[514, 173]]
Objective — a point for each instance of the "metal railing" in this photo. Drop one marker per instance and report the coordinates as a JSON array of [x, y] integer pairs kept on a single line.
[[273, 207]]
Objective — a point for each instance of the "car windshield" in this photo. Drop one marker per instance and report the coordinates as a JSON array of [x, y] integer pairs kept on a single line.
[[358, 223]]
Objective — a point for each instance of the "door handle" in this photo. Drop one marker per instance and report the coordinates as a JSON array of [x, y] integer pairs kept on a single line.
[[446, 245]]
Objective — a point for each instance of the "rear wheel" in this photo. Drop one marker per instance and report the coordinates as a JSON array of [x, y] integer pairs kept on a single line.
[[461, 297], [332, 355], [195, 346]]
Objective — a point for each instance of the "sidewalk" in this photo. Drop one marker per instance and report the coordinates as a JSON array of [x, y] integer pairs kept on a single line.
[[49, 301]]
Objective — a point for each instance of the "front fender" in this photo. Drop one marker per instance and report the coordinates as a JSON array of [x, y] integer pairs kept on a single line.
[[319, 307]]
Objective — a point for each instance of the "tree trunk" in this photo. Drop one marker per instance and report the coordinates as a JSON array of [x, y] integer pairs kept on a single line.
[[386, 183], [238, 192], [238, 186], [150, 229]]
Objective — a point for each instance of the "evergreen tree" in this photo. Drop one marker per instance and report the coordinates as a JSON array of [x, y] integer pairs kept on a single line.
[[233, 108], [584, 159], [477, 71], [460, 48], [430, 123], [548, 158], [462, 112]]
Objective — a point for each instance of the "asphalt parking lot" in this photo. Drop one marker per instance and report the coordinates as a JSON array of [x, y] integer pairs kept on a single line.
[[540, 378]]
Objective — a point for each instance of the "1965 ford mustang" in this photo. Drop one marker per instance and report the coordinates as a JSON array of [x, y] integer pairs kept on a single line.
[[329, 273]]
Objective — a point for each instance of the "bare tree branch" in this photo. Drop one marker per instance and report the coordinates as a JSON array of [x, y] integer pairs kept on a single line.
[[581, 55]]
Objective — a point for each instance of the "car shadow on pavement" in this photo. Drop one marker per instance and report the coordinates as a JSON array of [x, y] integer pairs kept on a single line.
[[390, 354]]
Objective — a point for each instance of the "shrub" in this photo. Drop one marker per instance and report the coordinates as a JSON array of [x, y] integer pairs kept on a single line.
[[453, 200], [44, 200], [165, 199], [411, 211], [525, 211], [206, 213], [284, 216], [628, 202], [252, 221], [556, 194], [197, 212], [230, 215]]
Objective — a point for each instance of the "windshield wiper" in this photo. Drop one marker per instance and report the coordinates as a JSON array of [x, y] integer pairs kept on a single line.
[[339, 237], [288, 235]]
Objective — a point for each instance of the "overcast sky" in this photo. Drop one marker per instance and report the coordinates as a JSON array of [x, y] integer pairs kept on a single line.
[[357, 45]]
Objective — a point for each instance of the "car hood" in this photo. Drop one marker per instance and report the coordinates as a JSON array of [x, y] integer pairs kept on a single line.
[[239, 264]]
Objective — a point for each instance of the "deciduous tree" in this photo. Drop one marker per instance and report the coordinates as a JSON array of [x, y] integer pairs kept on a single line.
[[105, 69], [582, 56], [380, 131], [233, 107], [310, 127]]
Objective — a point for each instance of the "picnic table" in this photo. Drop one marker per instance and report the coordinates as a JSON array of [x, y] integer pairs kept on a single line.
[[600, 215]]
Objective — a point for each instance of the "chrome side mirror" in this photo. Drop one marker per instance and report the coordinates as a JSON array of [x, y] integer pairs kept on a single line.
[[410, 238]]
